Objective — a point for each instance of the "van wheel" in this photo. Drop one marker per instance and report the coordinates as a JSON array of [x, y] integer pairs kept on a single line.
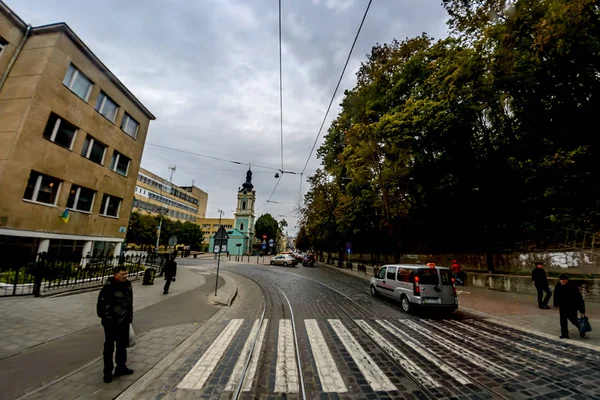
[[374, 291], [405, 304]]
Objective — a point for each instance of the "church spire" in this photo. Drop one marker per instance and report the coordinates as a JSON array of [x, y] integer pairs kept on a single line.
[[248, 184]]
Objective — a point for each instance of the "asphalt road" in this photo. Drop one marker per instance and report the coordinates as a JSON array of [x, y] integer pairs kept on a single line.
[[324, 336], [35, 367]]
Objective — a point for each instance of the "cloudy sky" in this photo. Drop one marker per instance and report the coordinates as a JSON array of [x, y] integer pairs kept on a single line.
[[209, 71]]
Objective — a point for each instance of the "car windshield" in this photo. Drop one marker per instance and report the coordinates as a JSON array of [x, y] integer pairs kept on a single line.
[[428, 276]]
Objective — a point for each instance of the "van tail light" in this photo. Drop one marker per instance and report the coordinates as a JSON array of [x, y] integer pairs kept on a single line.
[[417, 289], [454, 290]]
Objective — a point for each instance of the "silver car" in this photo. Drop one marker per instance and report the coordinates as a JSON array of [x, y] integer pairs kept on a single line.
[[285, 260], [416, 285]]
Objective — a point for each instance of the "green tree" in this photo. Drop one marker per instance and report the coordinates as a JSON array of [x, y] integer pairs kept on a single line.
[[190, 234], [266, 224]]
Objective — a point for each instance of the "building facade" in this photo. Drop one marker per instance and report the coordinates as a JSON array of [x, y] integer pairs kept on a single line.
[[210, 226], [155, 195], [71, 141]]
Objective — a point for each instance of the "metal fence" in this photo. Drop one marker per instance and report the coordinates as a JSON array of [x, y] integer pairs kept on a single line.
[[41, 273]]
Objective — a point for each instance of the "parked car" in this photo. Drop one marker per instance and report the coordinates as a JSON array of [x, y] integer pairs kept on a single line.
[[309, 261], [284, 259], [416, 286]]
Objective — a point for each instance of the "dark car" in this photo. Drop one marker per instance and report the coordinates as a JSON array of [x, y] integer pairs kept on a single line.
[[309, 261]]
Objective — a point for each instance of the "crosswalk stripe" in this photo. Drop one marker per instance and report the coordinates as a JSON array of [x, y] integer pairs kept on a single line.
[[236, 374], [247, 385], [372, 373], [425, 353], [406, 363], [477, 343], [206, 364], [467, 354], [329, 375], [286, 372], [523, 347]]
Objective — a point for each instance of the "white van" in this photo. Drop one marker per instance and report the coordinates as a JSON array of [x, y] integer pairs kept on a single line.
[[416, 285]]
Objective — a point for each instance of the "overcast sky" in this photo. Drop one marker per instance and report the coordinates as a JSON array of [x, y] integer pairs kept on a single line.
[[209, 71]]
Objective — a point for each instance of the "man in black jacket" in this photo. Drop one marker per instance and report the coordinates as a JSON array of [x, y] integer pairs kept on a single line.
[[115, 307], [170, 272], [568, 299], [538, 275]]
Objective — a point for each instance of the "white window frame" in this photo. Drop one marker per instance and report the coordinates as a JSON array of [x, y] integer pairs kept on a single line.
[[76, 201], [102, 107], [105, 207], [36, 192], [118, 156], [55, 131], [89, 150], [126, 119], [76, 73], [3, 44]]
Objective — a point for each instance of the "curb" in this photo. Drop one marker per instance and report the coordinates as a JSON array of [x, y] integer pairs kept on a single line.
[[225, 299]]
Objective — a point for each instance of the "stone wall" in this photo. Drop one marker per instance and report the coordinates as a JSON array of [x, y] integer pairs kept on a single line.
[[590, 288]]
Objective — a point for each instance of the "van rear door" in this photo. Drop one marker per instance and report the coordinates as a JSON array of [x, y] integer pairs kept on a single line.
[[448, 296], [431, 292]]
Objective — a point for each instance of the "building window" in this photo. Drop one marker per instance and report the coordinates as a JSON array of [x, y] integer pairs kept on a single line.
[[110, 206], [3, 44], [42, 188], [130, 126], [107, 107], [243, 205], [93, 150], [241, 227], [60, 131], [120, 163], [81, 199], [78, 83]]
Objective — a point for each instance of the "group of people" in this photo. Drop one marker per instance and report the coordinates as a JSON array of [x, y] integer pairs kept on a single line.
[[115, 309], [567, 298]]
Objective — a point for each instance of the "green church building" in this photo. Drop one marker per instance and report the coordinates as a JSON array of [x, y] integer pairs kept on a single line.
[[241, 237]]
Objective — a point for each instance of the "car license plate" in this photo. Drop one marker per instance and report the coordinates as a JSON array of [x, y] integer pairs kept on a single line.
[[431, 301]]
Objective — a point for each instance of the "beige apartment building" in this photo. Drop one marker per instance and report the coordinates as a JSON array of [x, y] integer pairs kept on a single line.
[[71, 138], [210, 226], [154, 195]]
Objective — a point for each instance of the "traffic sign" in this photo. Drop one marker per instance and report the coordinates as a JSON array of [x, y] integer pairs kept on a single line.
[[264, 246], [264, 236], [271, 242], [349, 250], [172, 241], [348, 245]]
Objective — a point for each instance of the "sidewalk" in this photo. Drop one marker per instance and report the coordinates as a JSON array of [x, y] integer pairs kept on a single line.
[[517, 310]]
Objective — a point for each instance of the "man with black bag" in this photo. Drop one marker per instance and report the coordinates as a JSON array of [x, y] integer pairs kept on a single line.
[[540, 280], [115, 307], [569, 300], [170, 272]]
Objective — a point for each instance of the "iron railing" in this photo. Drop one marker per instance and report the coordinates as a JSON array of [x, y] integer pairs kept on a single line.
[[42, 273]]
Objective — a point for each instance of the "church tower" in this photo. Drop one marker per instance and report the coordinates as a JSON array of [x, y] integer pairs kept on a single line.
[[244, 213]]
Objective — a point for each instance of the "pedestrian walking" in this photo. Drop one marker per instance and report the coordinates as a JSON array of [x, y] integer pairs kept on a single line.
[[456, 269], [115, 308], [569, 300], [170, 272], [540, 280]]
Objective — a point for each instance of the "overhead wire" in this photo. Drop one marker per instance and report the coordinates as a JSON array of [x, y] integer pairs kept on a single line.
[[337, 86], [280, 89]]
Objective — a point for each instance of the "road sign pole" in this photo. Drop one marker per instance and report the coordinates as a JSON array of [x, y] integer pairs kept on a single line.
[[218, 263]]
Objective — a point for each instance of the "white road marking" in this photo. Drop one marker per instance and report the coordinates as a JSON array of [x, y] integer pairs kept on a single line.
[[425, 353], [476, 342], [329, 375], [286, 372], [466, 354], [206, 364], [524, 347], [247, 385], [374, 376], [406, 363], [236, 374]]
